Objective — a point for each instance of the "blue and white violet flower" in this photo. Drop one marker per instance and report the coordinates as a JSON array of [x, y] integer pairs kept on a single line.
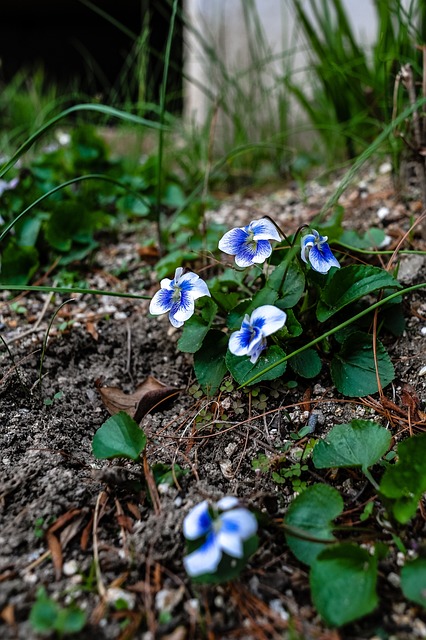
[[314, 248], [177, 296], [250, 244], [224, 526], [250, 340]]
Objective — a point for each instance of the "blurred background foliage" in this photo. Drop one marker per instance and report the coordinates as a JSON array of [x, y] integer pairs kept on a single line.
[[134, 62]]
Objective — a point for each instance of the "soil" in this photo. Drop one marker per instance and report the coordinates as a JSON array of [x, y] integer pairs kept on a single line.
[[65, 514]]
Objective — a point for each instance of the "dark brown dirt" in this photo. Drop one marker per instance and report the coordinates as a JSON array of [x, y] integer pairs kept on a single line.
[[48, 471]]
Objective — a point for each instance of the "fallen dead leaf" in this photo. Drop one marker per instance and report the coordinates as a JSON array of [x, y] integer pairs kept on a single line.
[[8, 615], [147, 396]]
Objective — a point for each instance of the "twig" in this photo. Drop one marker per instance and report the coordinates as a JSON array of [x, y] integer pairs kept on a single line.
[[37, 322], [101, 501]]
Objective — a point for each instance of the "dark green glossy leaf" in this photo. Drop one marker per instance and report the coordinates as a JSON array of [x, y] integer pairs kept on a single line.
[[404, 483], [413, 581], [289, 281], [350, 284], [353, 368], [306, 364], [209, 361], [343, 583], [195, 329], [119, 437]]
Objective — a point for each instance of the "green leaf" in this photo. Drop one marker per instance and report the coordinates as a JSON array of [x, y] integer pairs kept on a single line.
[[413, 581], [350, 284], [166, 473], [353, 369], [167, 265], [289, 281], [264, 296], [65, 222], [209, 361], [43, 613], [306, 364], [312, 513], [119, 437], [242, 369], [70, 620], [18, 264], [195, 329], [343, 583], [27, 232], [360, 443], [371, 239], [292, 327], [405, 482]]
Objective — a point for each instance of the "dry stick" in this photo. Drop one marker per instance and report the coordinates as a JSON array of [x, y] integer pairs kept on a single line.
[[102, 498], [36, 324], [129, 350]]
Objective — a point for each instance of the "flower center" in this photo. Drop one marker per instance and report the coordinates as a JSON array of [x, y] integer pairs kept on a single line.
[[176, 295], [216, 525], [250, 241]]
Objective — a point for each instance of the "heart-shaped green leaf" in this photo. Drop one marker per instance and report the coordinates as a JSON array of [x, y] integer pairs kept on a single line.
[[405, 482], [306, 364], [361, 443], [119, 437], [311, 515], [289, 281], [413, 581], [343, 583], [353, 368], [209, 361], [350, 284], [196, 328]]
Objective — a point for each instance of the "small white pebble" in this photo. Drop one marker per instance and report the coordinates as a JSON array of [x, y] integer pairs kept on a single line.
[[114, 594], [178, 502], [219, 602], [422, 371], [163, 488], [385, 167], [383, 213], [120, 315], [277, 607], [394, 579], [400, 559], [70, 568], [423, 331]]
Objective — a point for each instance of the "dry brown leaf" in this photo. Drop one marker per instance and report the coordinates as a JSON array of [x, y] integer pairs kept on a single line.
[[147, 396], [8, 615], [56, 553], [92, 330]]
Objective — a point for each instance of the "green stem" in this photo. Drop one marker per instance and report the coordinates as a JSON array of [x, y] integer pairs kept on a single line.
[[69, 290], [329, 333], [46, 337]]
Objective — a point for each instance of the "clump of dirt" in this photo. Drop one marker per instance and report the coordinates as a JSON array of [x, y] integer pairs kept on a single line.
[[84, 528]]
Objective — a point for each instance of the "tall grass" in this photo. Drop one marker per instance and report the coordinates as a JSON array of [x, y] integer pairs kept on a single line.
[[352, 85]]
